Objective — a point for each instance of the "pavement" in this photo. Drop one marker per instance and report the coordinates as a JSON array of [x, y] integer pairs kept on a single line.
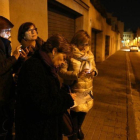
[[115, 115]]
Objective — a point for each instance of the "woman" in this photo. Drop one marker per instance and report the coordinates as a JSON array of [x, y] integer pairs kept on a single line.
[[28, 38], [40, 101], [7, 88], [79, 74], [30, 42]]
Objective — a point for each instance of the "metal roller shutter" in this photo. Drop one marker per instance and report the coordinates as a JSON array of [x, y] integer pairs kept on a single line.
[[61, 22]]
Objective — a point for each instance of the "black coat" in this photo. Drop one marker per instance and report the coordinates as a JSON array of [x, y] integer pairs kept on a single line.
[[40, 102], [7, 87], [6, 65], [18, 65]]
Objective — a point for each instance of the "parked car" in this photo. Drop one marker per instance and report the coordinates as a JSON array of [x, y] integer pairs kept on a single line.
[[134, 49]]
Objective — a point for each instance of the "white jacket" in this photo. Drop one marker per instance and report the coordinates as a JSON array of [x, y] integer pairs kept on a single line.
[[69, 72]]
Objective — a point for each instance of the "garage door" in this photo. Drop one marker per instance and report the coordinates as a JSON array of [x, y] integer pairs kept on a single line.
[[60, 21]]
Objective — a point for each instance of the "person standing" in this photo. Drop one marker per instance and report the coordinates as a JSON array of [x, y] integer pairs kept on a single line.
[[30, 42], [41, 102], [78, 73], [7, 88], [28, 38]]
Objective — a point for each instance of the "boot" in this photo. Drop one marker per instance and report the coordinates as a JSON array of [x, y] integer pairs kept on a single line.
[[80, 134], [73, 137]]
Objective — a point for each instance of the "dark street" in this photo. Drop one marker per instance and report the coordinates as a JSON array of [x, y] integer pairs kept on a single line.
[[58, 55], [111, 117]]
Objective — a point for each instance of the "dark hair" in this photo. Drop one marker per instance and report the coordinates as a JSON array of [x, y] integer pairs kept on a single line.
[[80, 37], [57, 41], [23, 28], [5, 23]]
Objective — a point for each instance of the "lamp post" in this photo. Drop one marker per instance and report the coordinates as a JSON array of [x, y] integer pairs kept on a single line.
[[128, 42]]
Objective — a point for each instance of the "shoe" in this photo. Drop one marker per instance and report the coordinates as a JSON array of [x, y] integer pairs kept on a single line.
[[80, 135], [73, 137]]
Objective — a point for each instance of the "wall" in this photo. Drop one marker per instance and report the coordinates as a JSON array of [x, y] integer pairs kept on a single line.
[[28, 10], [99, 23], [20, 11], [96, 19], [86, 1], [4, 8], [121, 30]]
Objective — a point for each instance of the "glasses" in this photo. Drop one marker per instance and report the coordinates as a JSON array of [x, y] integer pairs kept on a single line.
[[32, 30], [85, 45], [6, 30]]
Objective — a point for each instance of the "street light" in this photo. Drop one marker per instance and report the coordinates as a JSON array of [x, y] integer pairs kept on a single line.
[[138, 41], [128, 42]]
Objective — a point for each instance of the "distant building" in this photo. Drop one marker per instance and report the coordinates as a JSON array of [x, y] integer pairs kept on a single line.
[[128, 38], [138, 36], [138, 32]]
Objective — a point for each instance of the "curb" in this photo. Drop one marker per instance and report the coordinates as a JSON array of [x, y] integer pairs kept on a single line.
[[133, 105]]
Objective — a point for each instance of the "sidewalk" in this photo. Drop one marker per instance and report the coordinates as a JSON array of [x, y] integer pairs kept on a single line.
[[108, 119]]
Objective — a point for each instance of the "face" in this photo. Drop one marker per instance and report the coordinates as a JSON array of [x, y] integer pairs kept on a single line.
[[31, 34], [59, 59], [5, 33], [84, 47]]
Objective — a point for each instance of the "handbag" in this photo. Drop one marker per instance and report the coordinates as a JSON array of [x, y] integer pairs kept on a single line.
[[67, 124]]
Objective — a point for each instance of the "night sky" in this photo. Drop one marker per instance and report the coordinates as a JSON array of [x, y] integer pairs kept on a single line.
[[127, 11]]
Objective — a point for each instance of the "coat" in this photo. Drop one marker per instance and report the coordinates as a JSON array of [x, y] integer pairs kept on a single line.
[[40, 102], [7, 86], [70, 71], [6, 79], [39, 43]]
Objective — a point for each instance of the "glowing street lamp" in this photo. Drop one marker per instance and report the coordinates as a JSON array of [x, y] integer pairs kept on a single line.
[[128, 42]]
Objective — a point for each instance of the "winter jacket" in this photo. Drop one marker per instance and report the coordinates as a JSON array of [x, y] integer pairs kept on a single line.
[[40, 101], [6, 64], [7, 87], [69, 72], [39, 43]]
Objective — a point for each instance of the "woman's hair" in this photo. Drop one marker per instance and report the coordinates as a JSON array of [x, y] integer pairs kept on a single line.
[[81, 37], [57, 41], [23, 28]]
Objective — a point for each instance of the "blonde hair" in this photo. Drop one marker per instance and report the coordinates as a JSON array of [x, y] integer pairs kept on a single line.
[[81, 37]]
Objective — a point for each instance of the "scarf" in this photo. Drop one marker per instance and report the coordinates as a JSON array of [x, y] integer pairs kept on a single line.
[[7, 46], [85, 58], [47, 60]]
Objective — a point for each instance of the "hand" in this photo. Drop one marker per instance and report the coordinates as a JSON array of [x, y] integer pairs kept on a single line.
[[24, 53], [91, 74], [84, 73], [16, 53]]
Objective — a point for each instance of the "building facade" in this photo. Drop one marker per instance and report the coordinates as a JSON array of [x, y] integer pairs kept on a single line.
[[128, 38], [137, 38], [67, 17]]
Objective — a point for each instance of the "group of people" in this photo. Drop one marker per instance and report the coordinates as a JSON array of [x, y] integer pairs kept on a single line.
[[41, 81]]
